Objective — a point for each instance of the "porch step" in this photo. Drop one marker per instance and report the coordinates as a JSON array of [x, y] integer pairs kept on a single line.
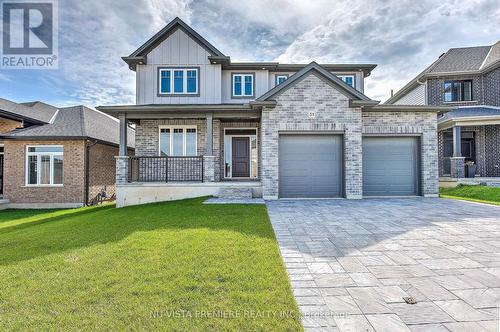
[[235, 192], [4, 203]]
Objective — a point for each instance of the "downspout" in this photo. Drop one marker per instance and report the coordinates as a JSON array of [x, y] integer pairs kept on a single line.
[[88, 145]]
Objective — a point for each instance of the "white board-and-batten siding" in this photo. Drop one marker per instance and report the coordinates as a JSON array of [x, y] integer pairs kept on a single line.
[[178, 50]]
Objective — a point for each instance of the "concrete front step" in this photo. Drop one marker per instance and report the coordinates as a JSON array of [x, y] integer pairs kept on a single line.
[[235, 192], [4, 203]]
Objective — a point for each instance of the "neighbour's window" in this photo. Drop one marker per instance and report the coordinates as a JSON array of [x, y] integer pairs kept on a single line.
[[348, 79], [457, 91], [177, 141], [178, 81], [280, 79], [243, 85], [44, 165]]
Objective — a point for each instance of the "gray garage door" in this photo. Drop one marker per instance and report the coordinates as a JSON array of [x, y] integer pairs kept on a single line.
[[390, 166], [310, 166]]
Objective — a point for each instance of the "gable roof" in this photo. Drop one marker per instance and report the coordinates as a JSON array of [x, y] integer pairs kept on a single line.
[[464, 60], [30, 112], [139, 55], [313, 67], [77, 122]]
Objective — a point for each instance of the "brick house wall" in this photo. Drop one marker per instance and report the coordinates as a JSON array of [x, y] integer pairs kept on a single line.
[[7, 125], [333, 114], [423, 124], [102, 169], [492, 88], [492, 136], [485, 90], [435, 91], [72, 191]]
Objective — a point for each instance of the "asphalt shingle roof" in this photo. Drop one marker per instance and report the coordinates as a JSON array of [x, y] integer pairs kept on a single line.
[[34, 110], [464, 112], [461, 59], [77, 122]]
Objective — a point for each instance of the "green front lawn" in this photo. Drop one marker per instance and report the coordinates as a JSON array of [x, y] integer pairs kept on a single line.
[[482, 194], [168, 266]]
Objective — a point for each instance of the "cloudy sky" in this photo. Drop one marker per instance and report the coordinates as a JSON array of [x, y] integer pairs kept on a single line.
[[402, 37]]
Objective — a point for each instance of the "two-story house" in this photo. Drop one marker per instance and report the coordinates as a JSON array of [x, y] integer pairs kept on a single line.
[[468, 80], [206, 125]]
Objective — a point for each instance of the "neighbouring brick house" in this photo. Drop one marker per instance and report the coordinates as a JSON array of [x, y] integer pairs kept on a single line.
[[468, 81], [56, 157], [208, 126]]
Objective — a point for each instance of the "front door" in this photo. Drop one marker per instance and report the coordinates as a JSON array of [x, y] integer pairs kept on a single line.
[[241, 157]]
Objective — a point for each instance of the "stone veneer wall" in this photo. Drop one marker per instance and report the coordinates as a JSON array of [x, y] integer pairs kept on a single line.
[[423, 124], [72, 191], [332, 113], [147, 134]]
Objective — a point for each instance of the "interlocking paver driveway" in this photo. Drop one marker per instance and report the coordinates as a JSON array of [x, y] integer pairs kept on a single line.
[[351, 263]]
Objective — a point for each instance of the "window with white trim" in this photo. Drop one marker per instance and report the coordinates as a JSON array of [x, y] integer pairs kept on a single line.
[[348, 79], [44, 165], [178, 141], [243, 85], [280, 79], [178, 81]]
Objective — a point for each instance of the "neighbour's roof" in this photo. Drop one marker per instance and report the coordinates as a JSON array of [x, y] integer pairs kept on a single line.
[[461, 59], [469, 112], [35, 112], [75, 122], [456, 61]]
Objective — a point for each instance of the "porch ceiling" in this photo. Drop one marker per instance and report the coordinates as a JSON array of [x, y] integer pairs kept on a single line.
[[469, 121], [135, 112]]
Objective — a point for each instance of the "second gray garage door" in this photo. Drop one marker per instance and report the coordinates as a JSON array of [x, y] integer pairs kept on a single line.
[[310, 166], [390, 166]]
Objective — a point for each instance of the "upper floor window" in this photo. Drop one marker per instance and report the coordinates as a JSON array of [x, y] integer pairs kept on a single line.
[[178, 81], [348, 79], [457, 91], [44, 165], [178, 141], [243, 85], [280, 79]]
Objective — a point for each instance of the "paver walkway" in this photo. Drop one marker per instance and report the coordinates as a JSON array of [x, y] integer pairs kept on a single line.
[[352, 263]]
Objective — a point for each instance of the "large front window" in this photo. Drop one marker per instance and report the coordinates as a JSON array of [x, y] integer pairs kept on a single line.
[[44, 165], [243, 85], [178, 81], [178, 141], [457, 91]]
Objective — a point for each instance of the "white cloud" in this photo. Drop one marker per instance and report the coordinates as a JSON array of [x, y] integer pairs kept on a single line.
[[403, 37], [95, 34]]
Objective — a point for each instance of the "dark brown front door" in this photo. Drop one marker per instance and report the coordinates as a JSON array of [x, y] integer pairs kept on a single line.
[[241, 157]]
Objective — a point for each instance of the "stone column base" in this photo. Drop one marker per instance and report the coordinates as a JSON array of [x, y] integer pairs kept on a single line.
[[457, 167], [122, 171], [209, 168]]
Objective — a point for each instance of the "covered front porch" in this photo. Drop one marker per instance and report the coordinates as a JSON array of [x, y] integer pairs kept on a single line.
[[184, 152], [469, 145]]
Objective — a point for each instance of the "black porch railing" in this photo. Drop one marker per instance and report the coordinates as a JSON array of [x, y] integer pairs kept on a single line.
[[166, 169]]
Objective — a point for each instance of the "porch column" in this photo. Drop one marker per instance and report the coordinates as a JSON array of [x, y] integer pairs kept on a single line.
[[457, 166], [210, 135], [122, 163], [123, 134]]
